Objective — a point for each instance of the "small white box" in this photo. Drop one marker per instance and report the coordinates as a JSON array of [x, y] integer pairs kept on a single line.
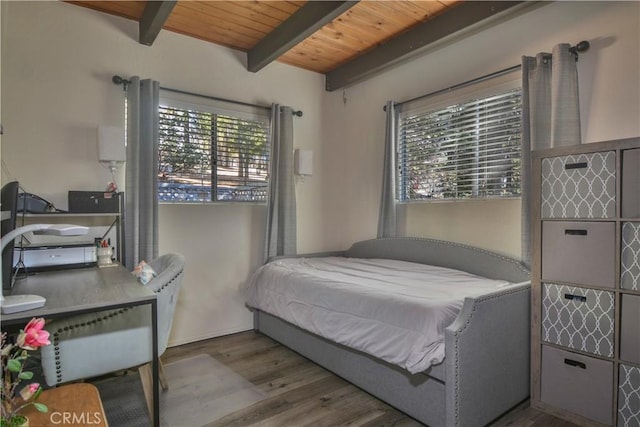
[[303, 162]]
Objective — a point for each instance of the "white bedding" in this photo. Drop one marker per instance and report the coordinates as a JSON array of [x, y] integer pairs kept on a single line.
[[394, 310]]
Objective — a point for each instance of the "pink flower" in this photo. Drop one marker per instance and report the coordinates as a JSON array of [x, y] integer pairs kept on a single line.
[[33, 337], [28, 391]]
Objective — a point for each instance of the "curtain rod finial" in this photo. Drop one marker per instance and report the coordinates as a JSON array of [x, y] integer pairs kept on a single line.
[[120, 81], [583, 46]]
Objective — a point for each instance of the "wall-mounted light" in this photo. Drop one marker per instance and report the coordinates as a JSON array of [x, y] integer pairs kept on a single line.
[[111, 148], [303, 162], [16, 303]]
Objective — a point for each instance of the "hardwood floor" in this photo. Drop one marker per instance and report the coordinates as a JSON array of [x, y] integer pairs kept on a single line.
[[301, 393]]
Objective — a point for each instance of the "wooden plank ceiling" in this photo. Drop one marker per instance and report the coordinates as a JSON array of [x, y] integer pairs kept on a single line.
[[357, 29]]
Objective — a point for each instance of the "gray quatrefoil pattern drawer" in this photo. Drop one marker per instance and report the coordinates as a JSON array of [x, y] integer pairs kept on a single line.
[[630, 256], [579, 186], [578, 318], [630, 328], [629, 396]]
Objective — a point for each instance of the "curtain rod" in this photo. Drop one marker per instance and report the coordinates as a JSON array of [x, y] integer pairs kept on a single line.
[[121, 81], [583, 46]]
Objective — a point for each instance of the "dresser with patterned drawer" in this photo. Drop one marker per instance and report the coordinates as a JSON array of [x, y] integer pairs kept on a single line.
[[585, 362], [579, 186], [578, 318], [630, 255]]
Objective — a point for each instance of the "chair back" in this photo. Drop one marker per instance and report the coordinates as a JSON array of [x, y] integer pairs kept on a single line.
[[170, 270]]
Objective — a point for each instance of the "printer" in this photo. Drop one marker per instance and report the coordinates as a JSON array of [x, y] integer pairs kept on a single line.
[[54, 257]]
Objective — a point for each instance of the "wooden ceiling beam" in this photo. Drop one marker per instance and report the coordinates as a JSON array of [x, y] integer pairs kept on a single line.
[[463, 17], [152, 20], [304, 22]]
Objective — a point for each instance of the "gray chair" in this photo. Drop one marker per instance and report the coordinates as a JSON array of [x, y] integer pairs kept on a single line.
[[95, 344]]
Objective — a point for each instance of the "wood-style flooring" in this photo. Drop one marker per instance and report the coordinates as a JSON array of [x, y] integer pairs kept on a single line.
[[301, 393]]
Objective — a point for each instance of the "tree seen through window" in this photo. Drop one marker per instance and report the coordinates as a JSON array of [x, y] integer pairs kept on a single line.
[[207, 157]]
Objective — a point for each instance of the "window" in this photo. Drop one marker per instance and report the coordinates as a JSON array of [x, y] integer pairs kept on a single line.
[[211, 150], [461, 146]]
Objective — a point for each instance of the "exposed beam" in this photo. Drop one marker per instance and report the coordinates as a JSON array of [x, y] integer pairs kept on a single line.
[[153, 18], [304, 22], [466, 16]]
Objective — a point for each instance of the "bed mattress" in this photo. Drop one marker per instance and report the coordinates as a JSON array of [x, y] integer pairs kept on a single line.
[[393, 310]]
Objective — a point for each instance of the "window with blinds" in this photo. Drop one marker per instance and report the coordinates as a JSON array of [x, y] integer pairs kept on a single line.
[[468, 148], [211, 151]]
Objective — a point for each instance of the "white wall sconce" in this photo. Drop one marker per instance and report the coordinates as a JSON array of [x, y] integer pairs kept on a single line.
[[303, 162], [111, 148]]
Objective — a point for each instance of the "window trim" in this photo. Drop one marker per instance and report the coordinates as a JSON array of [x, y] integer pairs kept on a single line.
[[204, 104]]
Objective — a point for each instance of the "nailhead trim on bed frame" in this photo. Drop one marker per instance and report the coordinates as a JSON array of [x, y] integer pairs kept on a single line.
[[457, 334], [509, 260], [459, 331], [58, 332], [460, 245]]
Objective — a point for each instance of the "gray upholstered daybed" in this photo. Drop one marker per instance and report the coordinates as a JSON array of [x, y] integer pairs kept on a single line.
[[485, 371]]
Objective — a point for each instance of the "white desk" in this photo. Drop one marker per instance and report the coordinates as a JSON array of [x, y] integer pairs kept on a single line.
[[85, 290]]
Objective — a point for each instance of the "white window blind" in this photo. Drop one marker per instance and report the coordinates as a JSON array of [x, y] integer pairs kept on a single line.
[[462, 145], [211, 150]]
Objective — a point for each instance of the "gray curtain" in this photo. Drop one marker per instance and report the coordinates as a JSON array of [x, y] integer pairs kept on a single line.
[[387, 224], [281, 204], [550, 116], [141, 184]]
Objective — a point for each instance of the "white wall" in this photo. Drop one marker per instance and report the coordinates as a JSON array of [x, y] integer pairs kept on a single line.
[[610, 107], [57, 64]]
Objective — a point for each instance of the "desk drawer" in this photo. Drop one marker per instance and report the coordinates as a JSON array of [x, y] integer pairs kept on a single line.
[[579, 252], [579, 186], [578, 318], [580, 384]]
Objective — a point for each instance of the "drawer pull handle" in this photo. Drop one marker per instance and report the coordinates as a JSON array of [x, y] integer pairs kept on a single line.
[[571, 232], [580, 165], [580, 298], [575, 363]]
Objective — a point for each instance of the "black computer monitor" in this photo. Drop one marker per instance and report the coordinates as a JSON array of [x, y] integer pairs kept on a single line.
[[9, 201]]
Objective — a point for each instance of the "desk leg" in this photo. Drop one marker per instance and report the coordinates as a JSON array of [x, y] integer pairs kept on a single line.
[[155, 364]]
